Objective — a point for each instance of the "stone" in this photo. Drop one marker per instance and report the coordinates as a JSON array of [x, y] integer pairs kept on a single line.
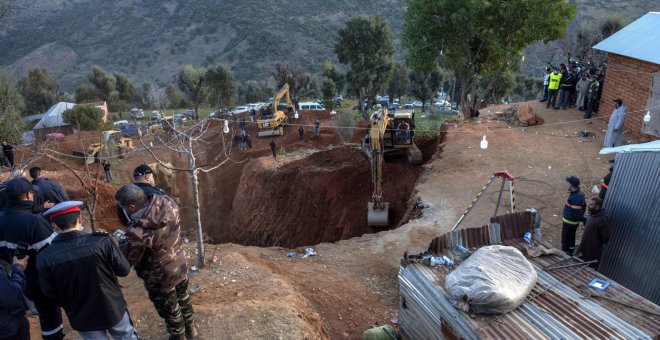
[[526, 114]]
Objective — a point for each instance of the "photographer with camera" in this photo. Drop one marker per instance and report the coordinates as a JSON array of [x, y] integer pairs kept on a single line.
[[13, 323], [77, 261]]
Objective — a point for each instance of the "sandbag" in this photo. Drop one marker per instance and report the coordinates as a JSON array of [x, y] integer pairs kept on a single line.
[[494, 280]]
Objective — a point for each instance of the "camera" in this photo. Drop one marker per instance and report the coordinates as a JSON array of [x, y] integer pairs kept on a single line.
[[21, 250]]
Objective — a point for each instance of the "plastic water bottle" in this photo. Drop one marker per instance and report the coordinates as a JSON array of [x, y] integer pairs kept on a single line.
[[528, 237], [448, 261], [436, 260], [462, 249]]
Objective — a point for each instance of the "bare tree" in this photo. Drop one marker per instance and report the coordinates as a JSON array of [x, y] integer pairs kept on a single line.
[[191, 141]]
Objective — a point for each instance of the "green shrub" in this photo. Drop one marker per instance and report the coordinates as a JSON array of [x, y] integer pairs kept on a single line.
[[83, 117], [345, 126]]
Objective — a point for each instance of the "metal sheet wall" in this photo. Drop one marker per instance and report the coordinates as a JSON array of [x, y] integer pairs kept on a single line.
[[632, 257]]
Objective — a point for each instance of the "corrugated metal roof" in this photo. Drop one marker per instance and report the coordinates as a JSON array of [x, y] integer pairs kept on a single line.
[[556, 308], [643, 147], [638, 40], [53, 117], [633, 205]]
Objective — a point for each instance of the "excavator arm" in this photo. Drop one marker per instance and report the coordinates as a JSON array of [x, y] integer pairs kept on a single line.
[[274, 125], [378, 209]]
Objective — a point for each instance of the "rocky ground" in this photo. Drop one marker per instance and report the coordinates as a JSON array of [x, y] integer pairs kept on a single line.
[[351, 284]]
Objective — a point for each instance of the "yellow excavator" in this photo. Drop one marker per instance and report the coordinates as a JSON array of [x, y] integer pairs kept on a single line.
[[97, 150], [273, 124], [389, 132]]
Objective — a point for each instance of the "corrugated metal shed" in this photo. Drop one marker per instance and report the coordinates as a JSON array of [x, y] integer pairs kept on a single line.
[[632, 202], [560, 306], [53, 117], [639, 40]]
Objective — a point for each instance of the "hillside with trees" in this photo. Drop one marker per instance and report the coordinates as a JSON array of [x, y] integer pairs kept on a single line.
[[149, 40]]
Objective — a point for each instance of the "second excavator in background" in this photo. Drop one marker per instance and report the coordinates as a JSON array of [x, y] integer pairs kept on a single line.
[[273, 119]]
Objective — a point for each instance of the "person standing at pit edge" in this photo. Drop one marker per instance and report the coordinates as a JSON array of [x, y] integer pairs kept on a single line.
[[596, 233], [153, 245], [272, 147], [573, 214], [614, 134], [79, 262]]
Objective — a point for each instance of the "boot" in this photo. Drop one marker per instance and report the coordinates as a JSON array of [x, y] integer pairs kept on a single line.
[[191, 331]]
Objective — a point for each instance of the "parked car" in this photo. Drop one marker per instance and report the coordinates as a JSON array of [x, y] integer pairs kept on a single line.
[[218, 113], [408, 106], [179, 118], [120, 123], [155, 115], [132, 129], [190, 113], [394, 106], [440, 103], [310, 106], [240, 109], [136, 113], [55, 136], [418, 104]]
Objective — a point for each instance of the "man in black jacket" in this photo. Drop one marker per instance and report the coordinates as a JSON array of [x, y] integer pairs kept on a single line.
[[596, 233], [574, 208], [78, 262], [13, 323], [50, 192], [8, 151], [143, 177], [18, 224]]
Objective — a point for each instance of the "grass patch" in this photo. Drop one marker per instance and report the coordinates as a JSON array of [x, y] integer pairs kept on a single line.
[[428, 124]]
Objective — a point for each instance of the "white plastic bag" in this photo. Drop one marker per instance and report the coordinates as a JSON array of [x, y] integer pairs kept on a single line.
[[494, 280]]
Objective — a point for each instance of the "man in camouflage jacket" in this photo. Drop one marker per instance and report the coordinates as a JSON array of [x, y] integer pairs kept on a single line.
[[153, 245]]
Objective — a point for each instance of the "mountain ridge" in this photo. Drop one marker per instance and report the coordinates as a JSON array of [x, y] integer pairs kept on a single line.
[[148, 40]]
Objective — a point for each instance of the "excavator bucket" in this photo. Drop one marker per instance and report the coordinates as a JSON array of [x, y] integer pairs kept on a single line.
[[90, 160], [87, 158], [275, 132], [378, 217]]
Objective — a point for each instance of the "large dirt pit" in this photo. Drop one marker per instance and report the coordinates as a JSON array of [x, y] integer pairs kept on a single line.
[[317, 192], [319, 198]]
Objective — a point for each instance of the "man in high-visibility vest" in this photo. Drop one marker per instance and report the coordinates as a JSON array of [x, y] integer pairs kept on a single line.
[[574, 208], [553, 88]]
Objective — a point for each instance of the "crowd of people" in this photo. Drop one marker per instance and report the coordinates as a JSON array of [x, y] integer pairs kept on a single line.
[[573, 86], [51, 263]]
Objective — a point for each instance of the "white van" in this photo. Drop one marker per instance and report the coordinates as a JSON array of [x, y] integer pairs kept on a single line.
[[310, 106]]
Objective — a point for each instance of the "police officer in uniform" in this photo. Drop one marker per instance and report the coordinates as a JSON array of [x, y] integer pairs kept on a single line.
[[78, 262], [19, 227], [574, 208]]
